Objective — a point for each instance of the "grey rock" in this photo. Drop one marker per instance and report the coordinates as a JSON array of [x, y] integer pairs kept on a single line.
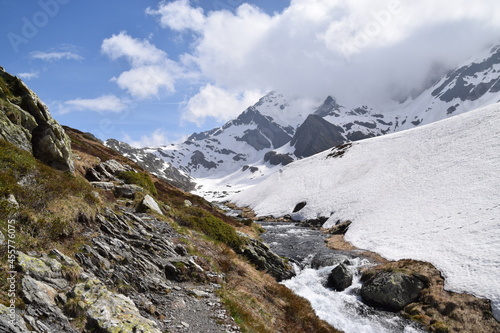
[[2, 238], [107, 186], [114, 167], [149, 203], [37, 292], [340, 278], [340, 229], [264, 259], [328, 108], [26, 122], [109, 312], [391, 290], [36, 267], [41, 304], [64, 258], [327, 259], [182, 269], [11, 321], [127, 191], [11, 199]]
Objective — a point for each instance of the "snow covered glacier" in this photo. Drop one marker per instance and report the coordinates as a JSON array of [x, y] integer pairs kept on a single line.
[[431, 193]]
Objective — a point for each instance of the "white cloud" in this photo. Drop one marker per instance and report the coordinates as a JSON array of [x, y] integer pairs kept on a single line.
[[179, 15], [215, 102], [55, 55], [29, 75], [105, 103], [151, 69], [156, 139], [137, 52], [146, 81], [358, 50]]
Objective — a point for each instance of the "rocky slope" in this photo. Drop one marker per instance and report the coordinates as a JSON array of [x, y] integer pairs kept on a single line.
[[111, 248], [293, 129], [154, 164]]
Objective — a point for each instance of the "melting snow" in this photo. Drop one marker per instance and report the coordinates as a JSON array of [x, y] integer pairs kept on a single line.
[[431, 193]]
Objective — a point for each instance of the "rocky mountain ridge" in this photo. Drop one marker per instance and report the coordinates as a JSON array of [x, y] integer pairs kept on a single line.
[[236, 152]]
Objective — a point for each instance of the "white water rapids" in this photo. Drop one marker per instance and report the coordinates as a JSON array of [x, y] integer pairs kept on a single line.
[[343, 310]]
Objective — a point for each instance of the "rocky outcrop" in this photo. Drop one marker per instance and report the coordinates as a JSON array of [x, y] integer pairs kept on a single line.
[[198, 159], [391, 290], [131, 278], [276, 159], [109, 312], [153, 164], [315, 135], [26, 122], [148, 203], [261, 256], [340, 228], [328, 108], [266, 133]]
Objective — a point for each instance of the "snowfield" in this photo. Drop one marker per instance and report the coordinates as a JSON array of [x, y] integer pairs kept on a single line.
[[431, 193]]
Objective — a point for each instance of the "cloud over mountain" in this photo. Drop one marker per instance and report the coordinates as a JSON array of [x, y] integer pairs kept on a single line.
[[356, 49]]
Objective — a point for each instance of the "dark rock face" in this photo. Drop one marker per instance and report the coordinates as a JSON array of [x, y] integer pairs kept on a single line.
[[315, 135], [276, 159], [328, 108], [468, 91], [255, 139], [391, 290], [340, 278], [266, 127], [26, 122], [357, 136], [198, 158]]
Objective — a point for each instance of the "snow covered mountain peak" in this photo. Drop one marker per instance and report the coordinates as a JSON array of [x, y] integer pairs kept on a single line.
[[279, 129]]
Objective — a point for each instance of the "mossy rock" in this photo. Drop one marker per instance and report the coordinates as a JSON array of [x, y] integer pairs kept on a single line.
[[139, 178], [109, 312]]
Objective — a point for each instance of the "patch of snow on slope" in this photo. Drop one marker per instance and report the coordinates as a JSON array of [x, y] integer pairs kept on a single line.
[[431, 193]]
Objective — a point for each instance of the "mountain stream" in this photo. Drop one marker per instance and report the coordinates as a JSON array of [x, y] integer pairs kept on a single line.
[[343, 310]]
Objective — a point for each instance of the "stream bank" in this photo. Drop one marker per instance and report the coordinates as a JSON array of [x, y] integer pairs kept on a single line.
[[435, 309]]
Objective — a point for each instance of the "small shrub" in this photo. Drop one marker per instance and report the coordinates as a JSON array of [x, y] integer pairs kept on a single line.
[[198, 219], [141, 179]]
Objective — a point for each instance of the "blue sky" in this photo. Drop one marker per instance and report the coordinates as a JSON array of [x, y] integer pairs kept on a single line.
[[151, 72]]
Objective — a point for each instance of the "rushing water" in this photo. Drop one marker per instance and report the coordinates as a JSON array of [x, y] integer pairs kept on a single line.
[[343, 310]]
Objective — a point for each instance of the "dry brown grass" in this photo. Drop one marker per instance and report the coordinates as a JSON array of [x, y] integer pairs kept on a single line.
[[83, 162], [256, 301]]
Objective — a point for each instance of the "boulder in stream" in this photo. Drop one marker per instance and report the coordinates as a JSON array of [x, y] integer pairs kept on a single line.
[[391, 290], [340, 278]]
